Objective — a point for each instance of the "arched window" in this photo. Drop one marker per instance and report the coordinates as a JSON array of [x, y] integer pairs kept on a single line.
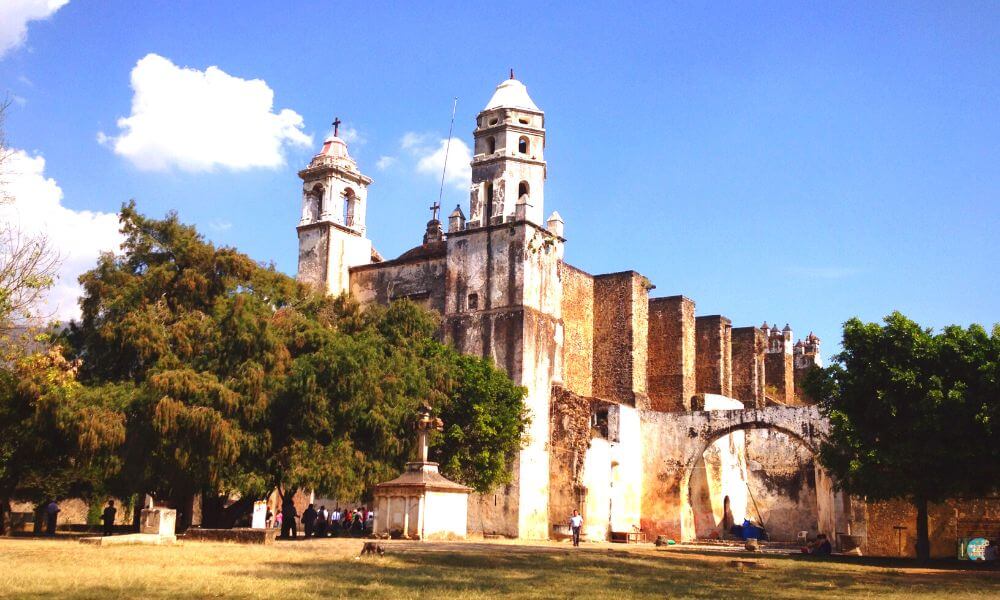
[[522, 189], [489, 199], [523, 145], [314, 203], [349, 203], [491, 145]]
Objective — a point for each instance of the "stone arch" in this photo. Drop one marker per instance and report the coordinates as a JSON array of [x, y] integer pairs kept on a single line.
[[799, 425], [350, 207], [312, 206]]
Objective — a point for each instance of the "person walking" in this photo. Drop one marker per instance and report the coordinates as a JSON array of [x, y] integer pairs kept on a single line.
[[575, 523], [309, 520], [51, 514], [108, 517]]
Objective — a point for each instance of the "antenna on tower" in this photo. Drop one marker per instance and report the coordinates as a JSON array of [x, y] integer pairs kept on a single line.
[[437, 205]]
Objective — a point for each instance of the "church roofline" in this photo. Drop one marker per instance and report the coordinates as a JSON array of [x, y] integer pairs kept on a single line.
[[675, 297], [493, 226]]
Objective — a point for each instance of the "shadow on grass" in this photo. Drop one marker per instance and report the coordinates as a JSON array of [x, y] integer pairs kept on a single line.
[[506, 571]]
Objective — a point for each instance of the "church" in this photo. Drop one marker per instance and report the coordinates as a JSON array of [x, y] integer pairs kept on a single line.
[[648, 418]]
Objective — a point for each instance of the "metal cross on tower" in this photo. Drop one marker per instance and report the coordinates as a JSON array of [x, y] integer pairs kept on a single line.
[[336, 126], [434, 210]]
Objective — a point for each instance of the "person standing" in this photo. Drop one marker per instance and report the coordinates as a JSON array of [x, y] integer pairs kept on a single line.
[[108, 517], [335, 522], [288, 514], [51, 513], [309, 520], [321, 518], [575, 523]]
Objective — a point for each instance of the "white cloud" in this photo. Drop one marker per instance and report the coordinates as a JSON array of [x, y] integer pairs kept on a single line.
[[14, 17], [430, 154], [200, 120], [352, 136], [385, 162], [220, 225], [35, 207]]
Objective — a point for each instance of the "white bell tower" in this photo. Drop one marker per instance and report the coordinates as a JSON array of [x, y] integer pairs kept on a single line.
[[332, 229], [508, 166]]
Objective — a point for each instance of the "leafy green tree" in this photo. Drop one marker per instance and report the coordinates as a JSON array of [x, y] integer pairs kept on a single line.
[[56, 436], [245, 380], [913, 415], [485, 422]]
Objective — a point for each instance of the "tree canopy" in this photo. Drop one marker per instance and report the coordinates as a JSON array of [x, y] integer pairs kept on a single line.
[[239, 379], [913, 414]]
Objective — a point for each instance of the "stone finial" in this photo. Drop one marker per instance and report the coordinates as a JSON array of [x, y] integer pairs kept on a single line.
[[555, 224], [456, 220]]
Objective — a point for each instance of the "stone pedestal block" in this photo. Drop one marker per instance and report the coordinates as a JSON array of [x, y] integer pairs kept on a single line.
[[158, 520]]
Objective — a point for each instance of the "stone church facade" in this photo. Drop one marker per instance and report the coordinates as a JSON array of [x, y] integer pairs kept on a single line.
[[645, 415]]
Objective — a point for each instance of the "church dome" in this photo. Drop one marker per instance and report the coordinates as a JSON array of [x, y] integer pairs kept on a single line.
[[334, 147], [511, 93]]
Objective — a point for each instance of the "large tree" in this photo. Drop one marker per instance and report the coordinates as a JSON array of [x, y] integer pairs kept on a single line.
[[913, 414], [57, 436], [245, 380]]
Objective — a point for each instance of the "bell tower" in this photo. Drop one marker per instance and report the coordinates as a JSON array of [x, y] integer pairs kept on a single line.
[[332, 229], [508, 166]]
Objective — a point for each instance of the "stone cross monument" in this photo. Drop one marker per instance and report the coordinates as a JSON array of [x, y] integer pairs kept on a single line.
[[421, 504]]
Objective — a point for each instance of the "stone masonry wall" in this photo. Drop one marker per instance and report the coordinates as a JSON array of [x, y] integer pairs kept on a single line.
[[714, 374], [578, 330], [620, 337], [799, 375], [779, 373], [749, 346], [671, 368], [947, 523]]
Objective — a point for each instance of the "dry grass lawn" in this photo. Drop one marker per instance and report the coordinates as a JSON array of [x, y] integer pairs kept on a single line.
[[63, 568]]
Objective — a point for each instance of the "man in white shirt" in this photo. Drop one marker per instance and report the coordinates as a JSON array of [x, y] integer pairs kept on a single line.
[[575, 523]]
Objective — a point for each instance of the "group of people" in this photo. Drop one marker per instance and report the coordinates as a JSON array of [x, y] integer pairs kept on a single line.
[[320, 522]]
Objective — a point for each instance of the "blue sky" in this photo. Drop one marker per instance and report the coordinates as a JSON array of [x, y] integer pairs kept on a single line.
[[776, 162]]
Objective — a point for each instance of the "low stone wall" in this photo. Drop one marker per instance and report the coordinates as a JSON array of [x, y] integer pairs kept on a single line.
[[242, 535]]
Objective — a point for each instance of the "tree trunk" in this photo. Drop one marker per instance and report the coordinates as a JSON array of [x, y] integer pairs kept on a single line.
[[5, 514], [923, 539]]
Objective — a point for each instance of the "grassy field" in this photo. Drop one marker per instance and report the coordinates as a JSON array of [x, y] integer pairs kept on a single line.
[[63, 568]]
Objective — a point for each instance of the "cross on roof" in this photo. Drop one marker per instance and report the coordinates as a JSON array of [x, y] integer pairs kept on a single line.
[[434, 210], [336, 126]]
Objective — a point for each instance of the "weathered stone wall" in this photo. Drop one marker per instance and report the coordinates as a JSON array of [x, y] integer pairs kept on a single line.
[[578, 329], [779, 375], [571, 438], [671, 362], [314, 251], [512, 269], [327, 252], [420, 280], [799, 376], [621, 322], [714, 370], [749, 346], [673, 444], [947, 523]]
